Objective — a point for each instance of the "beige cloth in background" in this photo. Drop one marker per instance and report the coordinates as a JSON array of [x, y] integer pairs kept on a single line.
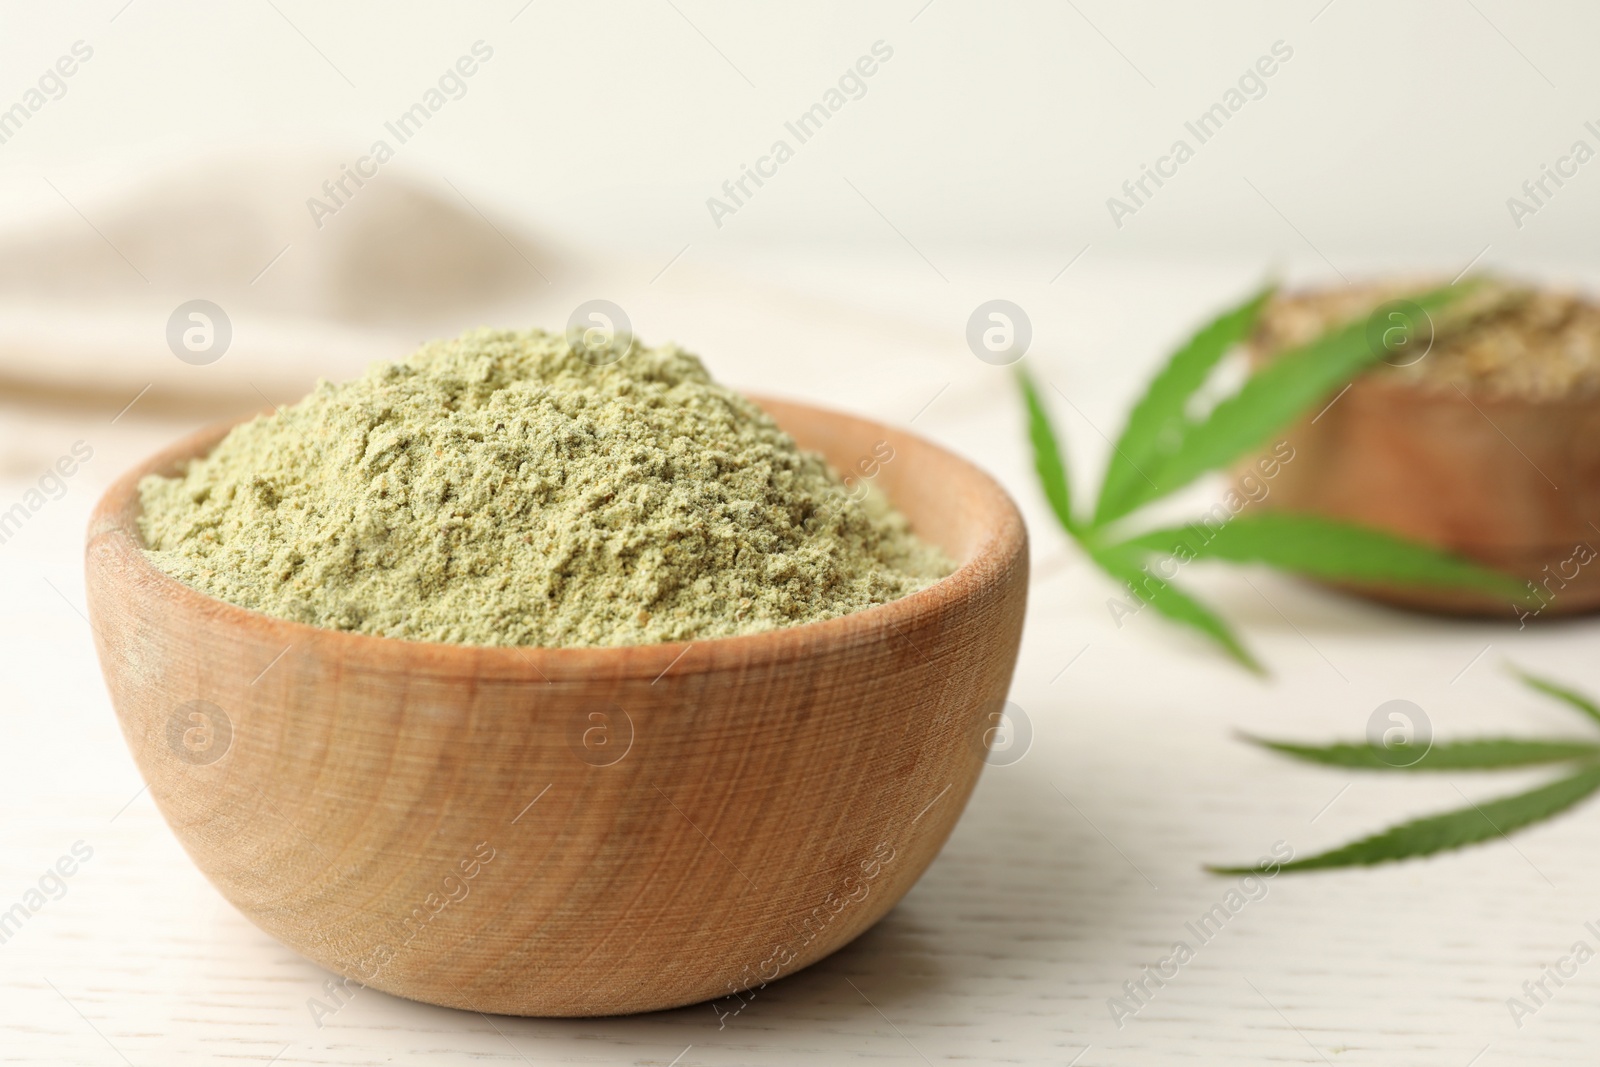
[[86, 292], [85, 301]]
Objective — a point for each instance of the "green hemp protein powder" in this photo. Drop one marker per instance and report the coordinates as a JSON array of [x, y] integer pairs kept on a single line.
[[498, 489]]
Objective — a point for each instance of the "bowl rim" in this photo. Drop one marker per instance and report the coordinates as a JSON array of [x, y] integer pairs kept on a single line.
[[1001, 547], [1373, 383]]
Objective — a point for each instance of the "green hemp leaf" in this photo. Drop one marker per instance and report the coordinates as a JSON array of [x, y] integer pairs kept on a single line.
[[1166, 446], [1465, 826]]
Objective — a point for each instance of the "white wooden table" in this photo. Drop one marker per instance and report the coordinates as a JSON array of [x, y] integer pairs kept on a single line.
[[1072, 869]]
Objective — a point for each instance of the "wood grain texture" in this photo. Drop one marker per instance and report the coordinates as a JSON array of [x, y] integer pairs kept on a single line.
[[571, 831], [1509, 482]]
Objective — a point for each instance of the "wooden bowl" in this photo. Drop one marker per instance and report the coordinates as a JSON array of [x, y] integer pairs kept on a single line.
[[1510, 482], [571, 831]]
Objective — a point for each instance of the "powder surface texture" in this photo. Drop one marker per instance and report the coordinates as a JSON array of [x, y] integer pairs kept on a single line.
[[498, 489], [1503, 340]]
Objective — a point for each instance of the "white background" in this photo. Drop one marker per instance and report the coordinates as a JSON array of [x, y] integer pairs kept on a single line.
[[1396, 129]]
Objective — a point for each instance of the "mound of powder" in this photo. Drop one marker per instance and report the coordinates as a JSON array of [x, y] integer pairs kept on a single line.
[[499, 490], [1505, 339]]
